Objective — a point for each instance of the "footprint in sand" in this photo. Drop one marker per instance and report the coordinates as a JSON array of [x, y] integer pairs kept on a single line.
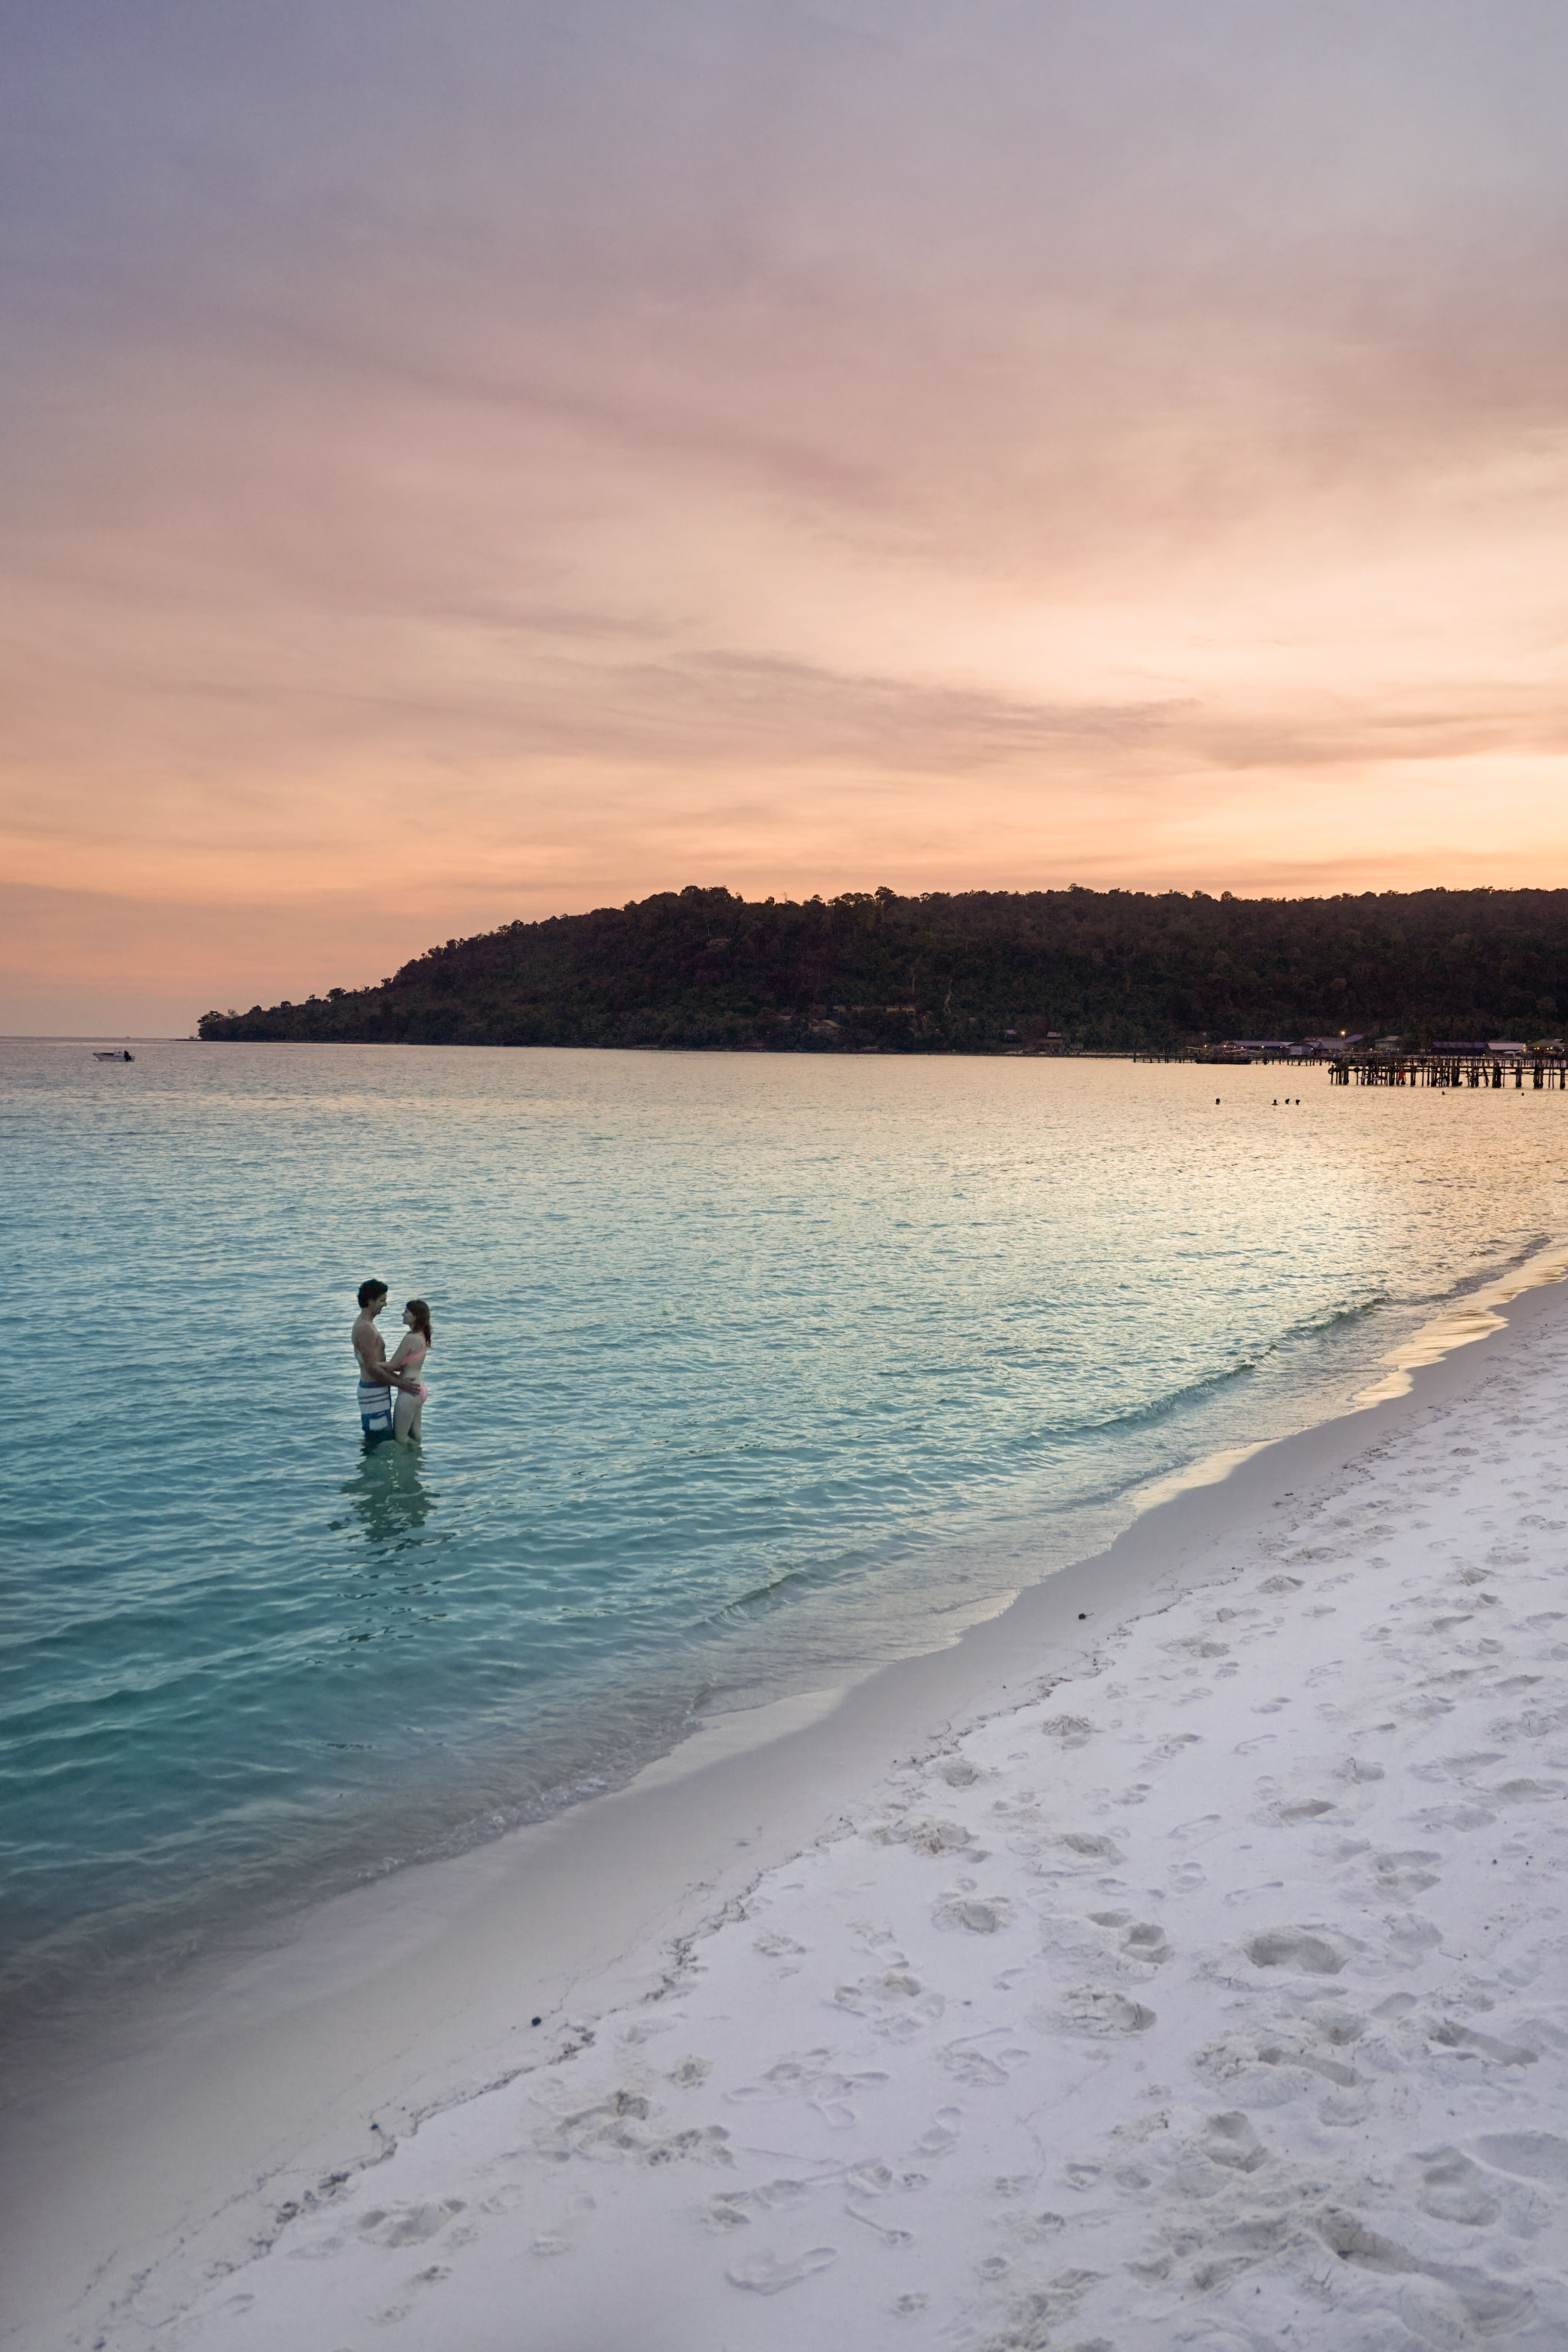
[[1269, 2077], [606, 2128], [1087, 2010], [1404, 1873], [1332, 2070], [770, 2274], [926, 1837], [1348, 2237], [1296, 1948], [982, 2063], [942, 2132], [1528, 2155], [734, 2210], [981, 1918], [407, 2225], [1230, 2140], [1199, 1826], [1454, 1817], [1169, 1749], [1093, 1847], [895, 2005], [1448, 2035], [1072, 1730], [1141, 1939], [1454, 2190], [787, 2079], [1487, 2304]]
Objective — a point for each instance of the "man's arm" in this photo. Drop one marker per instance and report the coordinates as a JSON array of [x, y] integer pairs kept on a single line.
[[370, 1349]]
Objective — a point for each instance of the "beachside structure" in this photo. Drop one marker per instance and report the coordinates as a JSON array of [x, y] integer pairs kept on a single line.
[[1318, 1046]]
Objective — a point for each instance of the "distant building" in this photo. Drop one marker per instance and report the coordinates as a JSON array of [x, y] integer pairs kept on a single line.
[[1508, 1045]]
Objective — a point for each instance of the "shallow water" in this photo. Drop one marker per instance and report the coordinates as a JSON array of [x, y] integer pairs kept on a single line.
[[750, 1371]]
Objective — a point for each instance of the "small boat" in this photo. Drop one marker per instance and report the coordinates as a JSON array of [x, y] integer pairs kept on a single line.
[[114, 1053]]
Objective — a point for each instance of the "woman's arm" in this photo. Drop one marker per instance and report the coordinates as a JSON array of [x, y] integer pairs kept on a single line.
[[375, 1369]]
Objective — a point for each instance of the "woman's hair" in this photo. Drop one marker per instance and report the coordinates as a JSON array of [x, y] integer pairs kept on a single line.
[[421, 1313]]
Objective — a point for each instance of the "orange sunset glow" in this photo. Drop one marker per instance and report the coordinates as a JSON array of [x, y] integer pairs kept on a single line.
[[471, 463]]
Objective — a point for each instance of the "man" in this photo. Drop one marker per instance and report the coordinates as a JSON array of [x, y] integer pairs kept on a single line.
[[375, 1381]]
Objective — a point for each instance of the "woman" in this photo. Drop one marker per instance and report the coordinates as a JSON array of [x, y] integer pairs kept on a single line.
[[406, 1358]]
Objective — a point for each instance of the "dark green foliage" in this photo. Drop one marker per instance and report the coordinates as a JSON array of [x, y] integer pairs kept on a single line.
[[945, 972]]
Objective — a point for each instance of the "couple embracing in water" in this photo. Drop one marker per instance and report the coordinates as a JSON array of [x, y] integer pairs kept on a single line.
[[390, 1394]]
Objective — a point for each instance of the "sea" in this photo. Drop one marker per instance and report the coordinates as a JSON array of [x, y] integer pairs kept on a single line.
[[750, 1372]]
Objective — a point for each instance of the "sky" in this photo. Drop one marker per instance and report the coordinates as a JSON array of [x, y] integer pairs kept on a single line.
[[471, 459]]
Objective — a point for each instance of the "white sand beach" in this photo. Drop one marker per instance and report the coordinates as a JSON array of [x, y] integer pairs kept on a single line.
[[1178, 1960]]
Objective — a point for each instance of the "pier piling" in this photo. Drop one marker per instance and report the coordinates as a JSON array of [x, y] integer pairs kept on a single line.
[[1547, 1071]]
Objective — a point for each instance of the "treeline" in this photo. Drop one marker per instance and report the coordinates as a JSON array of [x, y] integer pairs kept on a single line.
[[948, 973]]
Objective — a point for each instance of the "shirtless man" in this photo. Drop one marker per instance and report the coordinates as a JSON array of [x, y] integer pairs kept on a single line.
[[375, 1381]]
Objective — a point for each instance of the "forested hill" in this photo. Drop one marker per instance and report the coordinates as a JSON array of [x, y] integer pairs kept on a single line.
[[955, 972]]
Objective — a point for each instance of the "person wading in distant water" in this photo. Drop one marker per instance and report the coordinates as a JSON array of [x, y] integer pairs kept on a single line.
[[376, 1379]]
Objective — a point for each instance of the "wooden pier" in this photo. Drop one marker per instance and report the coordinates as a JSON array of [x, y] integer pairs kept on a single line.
[[1495, 1070]]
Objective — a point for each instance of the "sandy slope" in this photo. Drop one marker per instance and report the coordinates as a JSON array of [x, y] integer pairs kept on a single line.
[[1216, 1995]]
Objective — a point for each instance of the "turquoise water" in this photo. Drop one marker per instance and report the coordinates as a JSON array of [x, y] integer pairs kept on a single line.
[[748, 1371]]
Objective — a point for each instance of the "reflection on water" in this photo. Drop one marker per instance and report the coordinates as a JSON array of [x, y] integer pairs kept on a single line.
[[387, 1493], [393, 1587]]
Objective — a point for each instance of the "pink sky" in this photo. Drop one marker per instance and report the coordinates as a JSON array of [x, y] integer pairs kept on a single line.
[[481, 461]]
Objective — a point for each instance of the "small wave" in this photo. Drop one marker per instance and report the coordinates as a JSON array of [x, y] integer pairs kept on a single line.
[[760, 1595], [1310, 1326]]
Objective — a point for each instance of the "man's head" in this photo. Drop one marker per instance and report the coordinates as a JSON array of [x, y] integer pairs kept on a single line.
[[371, 1298]]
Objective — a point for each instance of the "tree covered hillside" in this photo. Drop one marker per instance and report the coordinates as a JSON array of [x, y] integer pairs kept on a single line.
[[953, 973]]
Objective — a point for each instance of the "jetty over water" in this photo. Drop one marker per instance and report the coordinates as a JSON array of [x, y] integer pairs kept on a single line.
[[1538, 1071]]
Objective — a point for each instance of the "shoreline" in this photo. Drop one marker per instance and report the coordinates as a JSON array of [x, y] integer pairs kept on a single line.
[[402, 2001]]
